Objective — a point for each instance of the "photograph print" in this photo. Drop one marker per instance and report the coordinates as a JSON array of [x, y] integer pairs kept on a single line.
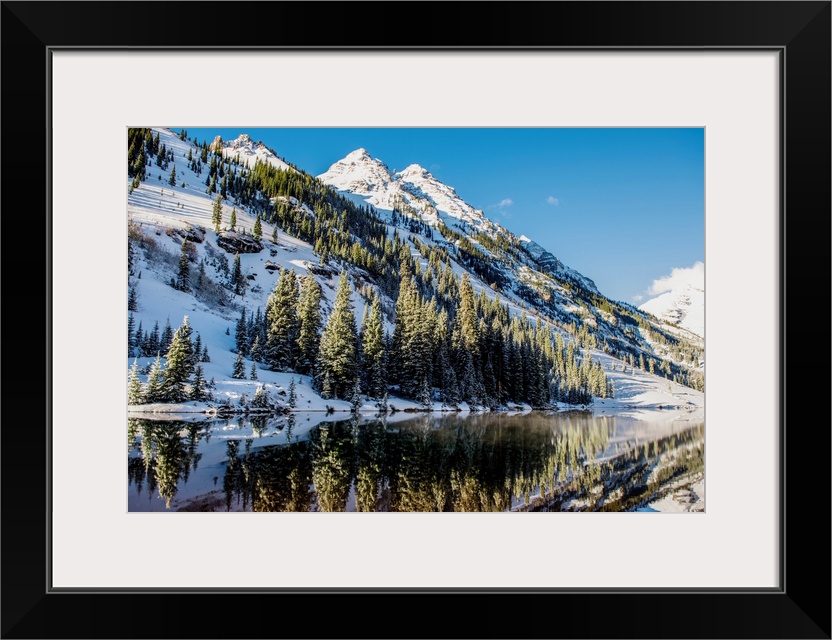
[[415, 319]]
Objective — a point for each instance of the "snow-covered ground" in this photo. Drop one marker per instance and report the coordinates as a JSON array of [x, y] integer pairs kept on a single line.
[[644, 396]]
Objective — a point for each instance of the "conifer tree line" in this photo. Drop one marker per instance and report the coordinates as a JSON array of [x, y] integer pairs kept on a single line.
[[462, 348]]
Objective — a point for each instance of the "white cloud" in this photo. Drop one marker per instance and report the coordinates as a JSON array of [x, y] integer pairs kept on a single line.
[[638, 298], [501, 207], [678, 278], [553, 200]]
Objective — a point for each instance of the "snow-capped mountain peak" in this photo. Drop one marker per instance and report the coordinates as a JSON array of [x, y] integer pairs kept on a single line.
[[250, 151], [359, 155], [684, 305], [414, 171], [358, 172], [413, 188], [680, 298], [417, 193]]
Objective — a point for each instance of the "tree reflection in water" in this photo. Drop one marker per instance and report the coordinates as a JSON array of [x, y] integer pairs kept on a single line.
[[487, 462]]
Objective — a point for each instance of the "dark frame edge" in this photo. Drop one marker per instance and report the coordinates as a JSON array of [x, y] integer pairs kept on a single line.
[[23, 76], [800, 608]]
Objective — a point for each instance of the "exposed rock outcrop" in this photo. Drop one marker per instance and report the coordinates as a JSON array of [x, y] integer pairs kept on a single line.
[[233, 242]]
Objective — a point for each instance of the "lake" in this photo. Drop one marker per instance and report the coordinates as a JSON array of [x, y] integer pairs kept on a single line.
[[536, 461]]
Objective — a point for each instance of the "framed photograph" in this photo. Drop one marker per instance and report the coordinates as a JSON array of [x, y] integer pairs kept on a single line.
[[265, 168]]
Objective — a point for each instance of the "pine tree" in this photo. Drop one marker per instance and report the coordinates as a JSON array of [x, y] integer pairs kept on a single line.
[[238, 280], [258, 230], [155, 381], [205, 357], [183, 276], [133, 299], [216, 216], [180, 363], [467, 317], [167, 338], [309, 325], [134, 386], [261, 398], [139, 340], [256, 351], [197, 349], [233, 222], [201, 277], [149, 344], [283, 322], [337, 359], [198, 387], [239, 372], [131, 335], [408, 338], [241, 334], [292, 401], [172, 179], [355, 402], [374, 363], [253, 373], [425, 394]]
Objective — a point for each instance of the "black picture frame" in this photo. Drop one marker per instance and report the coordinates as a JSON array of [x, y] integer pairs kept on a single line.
[[799, 608]]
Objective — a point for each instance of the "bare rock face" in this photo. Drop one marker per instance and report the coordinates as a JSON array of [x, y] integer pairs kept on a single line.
[[233, 242], [322, 270], [216, 145], [192, 234]]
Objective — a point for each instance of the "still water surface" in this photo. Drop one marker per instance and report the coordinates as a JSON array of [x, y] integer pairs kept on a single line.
[[568, 461]]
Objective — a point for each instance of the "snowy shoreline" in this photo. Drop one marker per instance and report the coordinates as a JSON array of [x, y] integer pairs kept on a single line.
[[191, 409]]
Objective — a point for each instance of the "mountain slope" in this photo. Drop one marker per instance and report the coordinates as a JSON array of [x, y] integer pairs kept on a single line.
[[309, 227], [416, 193]]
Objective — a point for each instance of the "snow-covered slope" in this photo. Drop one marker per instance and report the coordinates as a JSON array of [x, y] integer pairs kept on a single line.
[[683, 306]]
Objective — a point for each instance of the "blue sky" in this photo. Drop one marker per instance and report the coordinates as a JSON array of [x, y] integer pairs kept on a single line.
[[622, 206]]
